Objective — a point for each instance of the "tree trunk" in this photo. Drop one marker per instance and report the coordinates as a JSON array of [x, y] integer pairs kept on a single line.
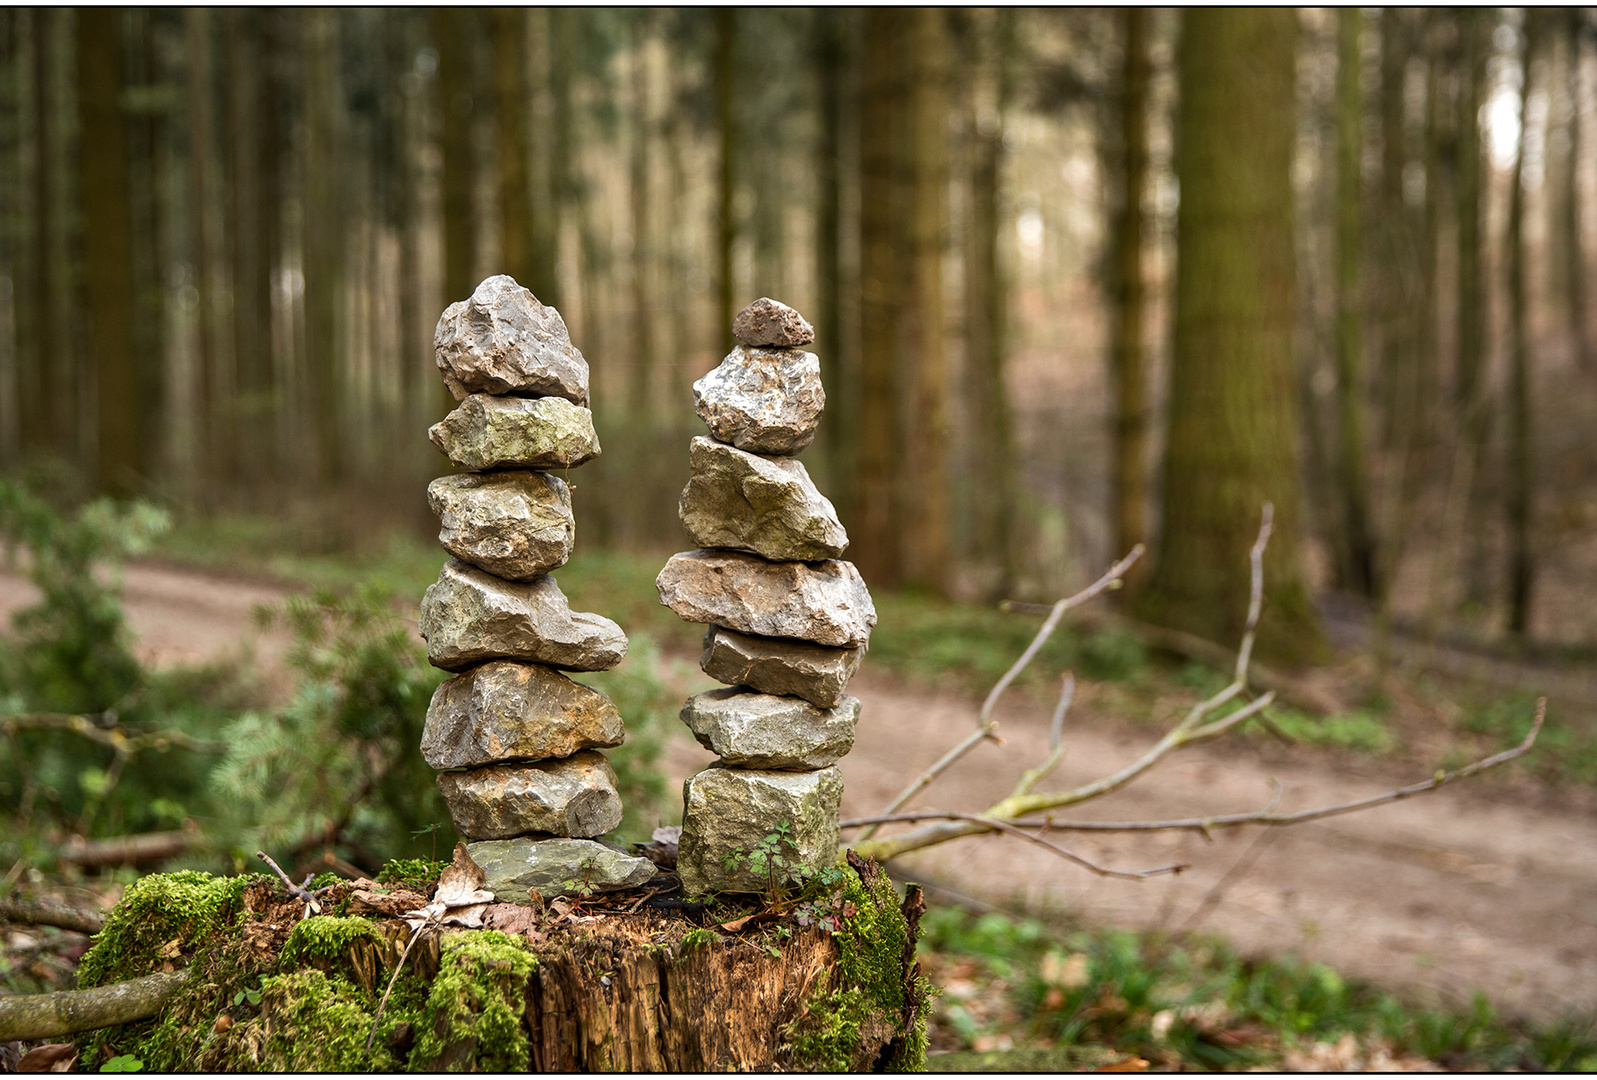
[[321, 243], [1471, 401], [1129, 362], [543, 235], [837, 433], [1233, 414], [123, 463], [874, 527], [456, 106], [1358, 561], [726, 123], [510, 121], [923, 464], [1519, 493], [1571, 225]]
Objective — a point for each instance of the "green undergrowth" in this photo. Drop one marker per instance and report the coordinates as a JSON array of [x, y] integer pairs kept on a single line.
[[1192, 1002]]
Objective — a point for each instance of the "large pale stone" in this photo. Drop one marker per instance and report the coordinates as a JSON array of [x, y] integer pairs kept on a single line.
[[574, 796], [486, 432], [767, 401], [778, 666], [766, 505], [468, 616], [824, 602], [502, 341], [726, 812], [504, 711], [771, 322], [762, 731], [556, 867], [514, 525]]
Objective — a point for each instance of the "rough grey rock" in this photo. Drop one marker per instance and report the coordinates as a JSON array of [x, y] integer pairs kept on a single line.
[[778, 666], [486, 432], [762, 731], [824, 602], [502, 341], [555, 867], [767, 505], [771, 322], [726, 812], [468, 616], [504, 711], [514, 525], [766, 401], [574, 796]]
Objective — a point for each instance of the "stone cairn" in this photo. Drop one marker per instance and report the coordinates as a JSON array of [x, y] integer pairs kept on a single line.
[[516, 741], [788, 620]]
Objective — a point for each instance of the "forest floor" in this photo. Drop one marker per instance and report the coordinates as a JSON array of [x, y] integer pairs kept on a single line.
[[1483, 886]]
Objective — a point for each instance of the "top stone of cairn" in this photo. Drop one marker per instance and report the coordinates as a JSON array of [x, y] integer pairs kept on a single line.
[[502, 341], [771, 323]]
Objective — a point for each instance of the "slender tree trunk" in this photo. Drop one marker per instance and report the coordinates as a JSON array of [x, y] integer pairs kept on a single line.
[[510, 119], [924, 535], [638, 174], [321, 243], [874, 530], [1471, 400], [44, 406], [1233, 415], [212, 396], [726, 120], [829, 63], [1519, 493], [250, 130], [562, 40], [544, 206], [455, 103], [1572, 223], [1358, 560], [108, 251], [1130, 364]]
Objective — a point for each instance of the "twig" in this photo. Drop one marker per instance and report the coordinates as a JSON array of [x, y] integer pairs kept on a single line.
[[986, 726], [113, 735], [1056, 747], [1103, 871], [1253, 817], [67, 1012], [298, 892], [381, 1005], [19, 909], [1243, 864]]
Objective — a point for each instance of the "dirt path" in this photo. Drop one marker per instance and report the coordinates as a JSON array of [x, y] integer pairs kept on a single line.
[[1453, 891]]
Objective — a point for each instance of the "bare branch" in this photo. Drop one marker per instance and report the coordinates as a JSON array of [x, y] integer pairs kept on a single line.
[[20, 909], [125, 744], [67, 1012], [1056, 747], [1266, 816], [986, 726], [994, 825]]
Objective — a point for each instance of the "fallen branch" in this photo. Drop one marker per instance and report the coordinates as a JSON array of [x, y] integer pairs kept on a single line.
[[128, 850], [104, 728], [18, 909], [67, 1012]]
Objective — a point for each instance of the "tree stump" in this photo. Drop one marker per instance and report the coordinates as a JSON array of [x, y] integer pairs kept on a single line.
[[824, 979]]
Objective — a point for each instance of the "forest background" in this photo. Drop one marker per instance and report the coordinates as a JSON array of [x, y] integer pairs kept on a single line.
[[1080, 279]]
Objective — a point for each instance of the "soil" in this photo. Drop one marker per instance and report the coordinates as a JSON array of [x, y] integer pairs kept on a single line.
[[1473, 887]]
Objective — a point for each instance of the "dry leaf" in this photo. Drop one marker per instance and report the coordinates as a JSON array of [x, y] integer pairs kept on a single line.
[[52, 1057], [460, 899], [1128, 1065], [737, 924], [172, 949]]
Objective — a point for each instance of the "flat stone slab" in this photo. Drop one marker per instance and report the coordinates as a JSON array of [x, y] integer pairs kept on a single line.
[[765, 505], [824, 602], [802, 669], [763, 731], [516, 525], [502, 341], [766, 401], [727, 812], [486, 432], [574, 796], [771, 322], [555, 867], [504, 711], [468, 616]]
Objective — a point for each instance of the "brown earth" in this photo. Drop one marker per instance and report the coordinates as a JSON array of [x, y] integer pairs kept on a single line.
[[1471, 887]]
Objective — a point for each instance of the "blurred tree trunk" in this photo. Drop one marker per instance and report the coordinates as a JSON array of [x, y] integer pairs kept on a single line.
[[46, 407], [1471, 402], [321, 241], [562, 41], [1390, 287], [452, 34], [11, 226], [543, 208], [213, 391], [837, 433], [510, 119], [1357, 562], [1233, 414], [874, 529], [1129, 363], [1519, 493], [726, 123], [924, 462], [1572, 221], [638, 174], [123, 461]]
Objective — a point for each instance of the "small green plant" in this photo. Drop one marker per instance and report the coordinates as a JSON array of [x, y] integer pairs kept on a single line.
[[775, 858], [251, 996], [123, 1063]]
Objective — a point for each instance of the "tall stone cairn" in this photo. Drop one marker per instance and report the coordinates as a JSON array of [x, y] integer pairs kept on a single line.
[[788, 619], [516, 742]]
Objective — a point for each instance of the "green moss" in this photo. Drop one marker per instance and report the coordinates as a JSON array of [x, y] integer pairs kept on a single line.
[[188, 907], [866, 995], [326, 937], [697, 938], [417, 873], [477, 1002], [312, 1022]]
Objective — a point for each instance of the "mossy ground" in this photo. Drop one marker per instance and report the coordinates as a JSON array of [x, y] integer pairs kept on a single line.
[[275, 988]]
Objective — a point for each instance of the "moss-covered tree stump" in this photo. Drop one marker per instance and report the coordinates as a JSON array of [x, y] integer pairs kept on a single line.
[[826, 982]]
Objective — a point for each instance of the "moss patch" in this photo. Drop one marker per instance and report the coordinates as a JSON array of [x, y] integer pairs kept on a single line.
[[161, 917], [473, 1016]]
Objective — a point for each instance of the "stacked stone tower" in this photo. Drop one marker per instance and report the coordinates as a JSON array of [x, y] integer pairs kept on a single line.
[[517, 741], [788, 620]]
